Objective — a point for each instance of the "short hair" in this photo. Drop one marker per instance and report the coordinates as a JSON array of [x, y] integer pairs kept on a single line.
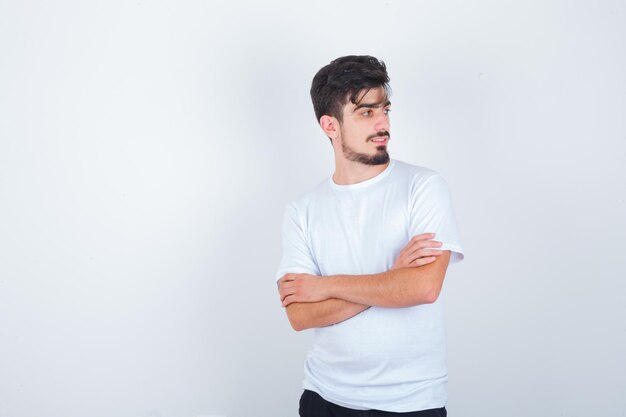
[[343, 79]]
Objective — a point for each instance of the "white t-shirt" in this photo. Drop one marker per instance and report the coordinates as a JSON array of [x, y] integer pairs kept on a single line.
[[390, 359]]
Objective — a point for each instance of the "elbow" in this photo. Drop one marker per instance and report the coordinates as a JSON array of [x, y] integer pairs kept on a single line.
[[432, 291], [296, 320], [431, 295], [427, 294], [297, 326]]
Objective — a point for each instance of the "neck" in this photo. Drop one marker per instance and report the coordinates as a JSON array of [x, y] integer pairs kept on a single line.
[[351, 172]]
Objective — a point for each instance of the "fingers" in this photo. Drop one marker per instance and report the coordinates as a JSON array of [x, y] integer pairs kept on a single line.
[[291, 294], [423, 239], [420, 240], [419, 258], [301, 288], [296, 288], [417, 244], [286, 289], [423, 236], [287, 277], [288, 300], [420, 250], [423, 261], [422, 253]]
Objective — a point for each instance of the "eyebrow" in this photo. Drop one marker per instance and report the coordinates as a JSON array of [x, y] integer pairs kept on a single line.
[[372, 105]]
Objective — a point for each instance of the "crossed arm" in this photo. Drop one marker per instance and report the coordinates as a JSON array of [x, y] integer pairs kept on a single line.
[[415, 278]]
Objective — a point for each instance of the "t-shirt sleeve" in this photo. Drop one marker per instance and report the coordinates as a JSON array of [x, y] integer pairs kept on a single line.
[[431, 212], [297, 256]]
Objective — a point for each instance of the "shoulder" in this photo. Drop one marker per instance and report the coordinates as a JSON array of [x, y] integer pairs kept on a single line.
[[304, 201], [418, 176]]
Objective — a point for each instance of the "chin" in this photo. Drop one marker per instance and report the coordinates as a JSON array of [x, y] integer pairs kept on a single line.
[[380, 158]]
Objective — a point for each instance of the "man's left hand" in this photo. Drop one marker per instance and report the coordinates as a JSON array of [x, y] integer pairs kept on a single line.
[[302, 288]]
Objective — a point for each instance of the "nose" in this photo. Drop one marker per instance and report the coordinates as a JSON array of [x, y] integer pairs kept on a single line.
[[382, 122]]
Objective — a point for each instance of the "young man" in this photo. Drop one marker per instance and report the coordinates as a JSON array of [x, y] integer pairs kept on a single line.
[[361, 264]]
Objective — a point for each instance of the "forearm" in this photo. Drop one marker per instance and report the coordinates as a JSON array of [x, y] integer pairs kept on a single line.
[[403, 287], [323, 313]]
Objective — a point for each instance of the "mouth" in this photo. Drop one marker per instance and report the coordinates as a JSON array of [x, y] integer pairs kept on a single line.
[[380, 140]]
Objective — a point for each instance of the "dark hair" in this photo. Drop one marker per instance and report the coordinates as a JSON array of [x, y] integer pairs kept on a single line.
[[343, 79]]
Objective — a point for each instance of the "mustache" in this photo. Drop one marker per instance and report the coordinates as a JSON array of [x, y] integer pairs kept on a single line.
[[381, 133]]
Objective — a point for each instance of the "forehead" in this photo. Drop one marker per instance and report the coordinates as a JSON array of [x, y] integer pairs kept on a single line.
[[373, 96]]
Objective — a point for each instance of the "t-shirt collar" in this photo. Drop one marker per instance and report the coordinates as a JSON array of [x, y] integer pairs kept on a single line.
[[365, 183]]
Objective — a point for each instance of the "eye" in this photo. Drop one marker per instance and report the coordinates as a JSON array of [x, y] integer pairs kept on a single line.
[[366, 113], [386, 111]]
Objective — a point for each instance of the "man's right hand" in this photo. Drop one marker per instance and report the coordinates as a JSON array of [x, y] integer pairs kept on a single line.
[[419, 251]]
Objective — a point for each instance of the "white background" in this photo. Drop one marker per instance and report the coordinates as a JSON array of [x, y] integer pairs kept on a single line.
[[148, 149]]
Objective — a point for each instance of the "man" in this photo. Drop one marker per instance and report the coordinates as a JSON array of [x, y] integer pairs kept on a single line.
[[360, 264]]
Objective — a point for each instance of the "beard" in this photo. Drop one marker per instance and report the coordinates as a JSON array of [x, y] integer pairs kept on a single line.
[[379, 158]]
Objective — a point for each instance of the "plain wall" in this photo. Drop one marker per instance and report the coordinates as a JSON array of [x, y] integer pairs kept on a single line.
[[148, 149]]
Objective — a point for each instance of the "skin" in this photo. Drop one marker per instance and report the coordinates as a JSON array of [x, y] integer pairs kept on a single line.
[[360, 124], [305, 315], [417, 274], [403, 287]]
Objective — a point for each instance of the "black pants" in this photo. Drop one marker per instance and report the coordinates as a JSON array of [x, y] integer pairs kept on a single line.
[[313, 405]]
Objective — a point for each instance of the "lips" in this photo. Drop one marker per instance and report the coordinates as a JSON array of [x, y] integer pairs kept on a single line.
[[380, 140]]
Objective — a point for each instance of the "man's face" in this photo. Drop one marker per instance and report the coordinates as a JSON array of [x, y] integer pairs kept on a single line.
[[364, 132]]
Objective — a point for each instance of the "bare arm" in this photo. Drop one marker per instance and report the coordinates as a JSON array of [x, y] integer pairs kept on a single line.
[[305, 315], [396, 288], [401, 287], [322, 313]]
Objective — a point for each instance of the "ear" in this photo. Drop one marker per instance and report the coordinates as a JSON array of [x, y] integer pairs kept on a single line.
[[330, 126]]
